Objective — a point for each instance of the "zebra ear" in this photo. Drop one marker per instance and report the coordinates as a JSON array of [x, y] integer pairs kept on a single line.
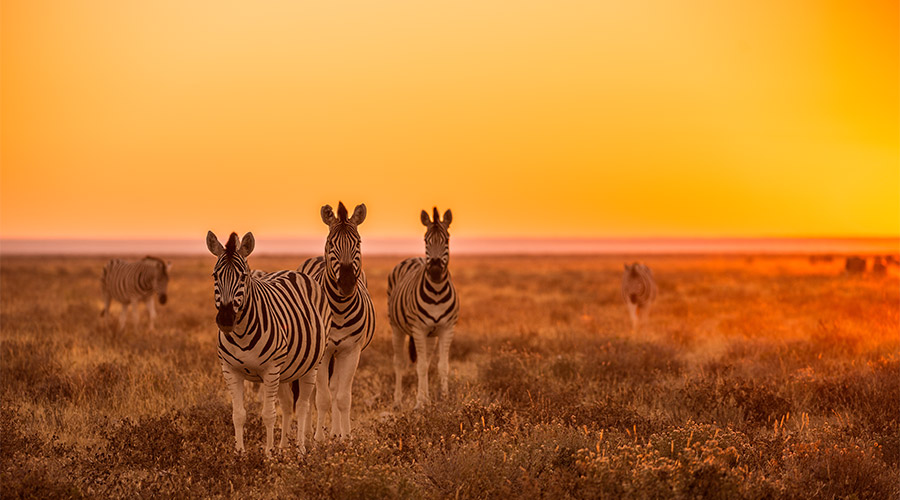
[[448, 218], [327, 214], [248, 243], [359, 214], [425, 220], [212, 243], [625, 265]]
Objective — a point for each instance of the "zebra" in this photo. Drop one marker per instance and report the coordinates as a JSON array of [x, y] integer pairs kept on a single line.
[[639, 292], [340, 273], [271, 330], [423, 305], [132, 282]]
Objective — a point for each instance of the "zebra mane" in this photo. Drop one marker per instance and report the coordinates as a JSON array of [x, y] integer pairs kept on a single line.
[[160, 261], [231, 245]]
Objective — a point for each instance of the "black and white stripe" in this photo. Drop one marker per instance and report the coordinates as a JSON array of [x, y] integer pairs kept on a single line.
[[353, 315], [639, 292], [271, 330], [423, 305], [132, 282]]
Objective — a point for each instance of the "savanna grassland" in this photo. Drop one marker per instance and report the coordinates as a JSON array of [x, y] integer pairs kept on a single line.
[[765, 377]]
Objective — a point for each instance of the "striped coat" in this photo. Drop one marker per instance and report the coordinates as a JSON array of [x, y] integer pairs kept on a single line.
[[132, 282], [423, 306], [639, 292], [272, 330], [340, 273]]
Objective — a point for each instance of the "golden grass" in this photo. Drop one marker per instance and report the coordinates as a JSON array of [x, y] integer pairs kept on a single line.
[[764, 377]]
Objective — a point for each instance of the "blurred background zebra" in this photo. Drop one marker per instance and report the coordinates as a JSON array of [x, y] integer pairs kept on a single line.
[[353, 315], [271, 330], [639, 291], [132, 282], [423, 305]]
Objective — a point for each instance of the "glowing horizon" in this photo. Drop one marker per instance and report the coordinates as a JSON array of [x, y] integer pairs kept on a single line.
[[646, 119]]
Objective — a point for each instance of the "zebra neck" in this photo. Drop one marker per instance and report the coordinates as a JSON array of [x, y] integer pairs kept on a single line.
[[334, 296], [242, 322], [435, 288], [332, 289]]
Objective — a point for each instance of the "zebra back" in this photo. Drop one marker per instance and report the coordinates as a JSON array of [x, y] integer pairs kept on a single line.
[[127, 282]]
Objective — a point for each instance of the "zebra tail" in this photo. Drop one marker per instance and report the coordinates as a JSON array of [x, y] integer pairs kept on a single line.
[[412, 350]]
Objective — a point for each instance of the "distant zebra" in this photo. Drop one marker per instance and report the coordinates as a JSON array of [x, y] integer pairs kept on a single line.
[[639, 291], [132, 282], [855, 265], [271, 330], [423, 305], [353, 316]]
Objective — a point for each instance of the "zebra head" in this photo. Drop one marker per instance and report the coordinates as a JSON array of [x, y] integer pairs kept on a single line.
[[231, 275], [634, 270], [437, 244], [160, 277], [343, 262]]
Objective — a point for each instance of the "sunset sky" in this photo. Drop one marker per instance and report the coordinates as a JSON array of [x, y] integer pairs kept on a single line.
[[163, 119]]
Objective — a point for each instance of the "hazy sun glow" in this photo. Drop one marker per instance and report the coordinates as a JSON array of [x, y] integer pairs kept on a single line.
[[537, 119]]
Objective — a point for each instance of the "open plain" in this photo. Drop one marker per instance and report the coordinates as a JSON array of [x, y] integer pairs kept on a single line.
[[756, 377]]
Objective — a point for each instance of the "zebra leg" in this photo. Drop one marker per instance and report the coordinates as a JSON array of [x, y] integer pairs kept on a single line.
[[123, 316], [421, 369], [307, 384], [632, 312], [270, 383], [151, 311], [430, 347], [445, 338], [430, 344], [344, 369], [399, 364], [286, 400], [645, 313], [106, 300], [238, 414], [323, 392]]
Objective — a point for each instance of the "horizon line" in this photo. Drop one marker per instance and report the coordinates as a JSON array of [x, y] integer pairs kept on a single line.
[[473, 245]]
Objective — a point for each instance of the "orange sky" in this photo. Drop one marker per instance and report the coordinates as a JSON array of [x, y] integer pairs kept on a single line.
[[567, 118]]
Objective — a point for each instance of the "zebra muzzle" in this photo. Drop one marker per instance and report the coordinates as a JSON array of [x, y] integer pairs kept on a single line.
[[163, 298], [435, 270], [225, 318], [346, 280]]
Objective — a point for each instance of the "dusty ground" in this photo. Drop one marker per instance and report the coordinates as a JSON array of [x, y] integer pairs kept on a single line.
[[756, 377]]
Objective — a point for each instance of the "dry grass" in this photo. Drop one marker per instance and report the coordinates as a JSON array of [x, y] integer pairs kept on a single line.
[[762, 378]]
